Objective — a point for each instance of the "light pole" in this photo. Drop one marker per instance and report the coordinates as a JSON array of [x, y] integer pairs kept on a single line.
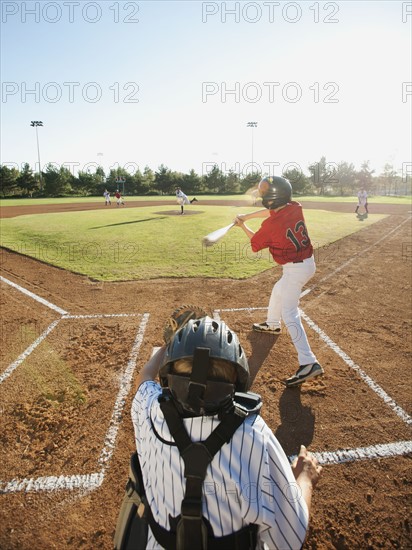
[[36, 124], [252, 125]]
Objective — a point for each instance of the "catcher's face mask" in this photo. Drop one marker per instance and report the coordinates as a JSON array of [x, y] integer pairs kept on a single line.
[[213, 335], [196, 393]]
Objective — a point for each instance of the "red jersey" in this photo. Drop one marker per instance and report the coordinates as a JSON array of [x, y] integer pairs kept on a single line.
[[285, 234]]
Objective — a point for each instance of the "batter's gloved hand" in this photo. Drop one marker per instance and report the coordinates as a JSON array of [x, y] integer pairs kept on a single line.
[[179, 318]]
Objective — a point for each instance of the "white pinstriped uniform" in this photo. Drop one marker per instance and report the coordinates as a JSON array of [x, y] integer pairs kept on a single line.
[[248, 481]]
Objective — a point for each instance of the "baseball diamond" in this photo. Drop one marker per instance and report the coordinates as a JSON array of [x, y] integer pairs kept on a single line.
[[72, 347]]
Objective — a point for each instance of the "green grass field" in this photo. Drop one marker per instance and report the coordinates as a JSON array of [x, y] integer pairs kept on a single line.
[[100, 200], [146, 242], [87, 200]]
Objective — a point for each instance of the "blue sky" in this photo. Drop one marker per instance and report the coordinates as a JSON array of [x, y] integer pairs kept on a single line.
[[144, 83]]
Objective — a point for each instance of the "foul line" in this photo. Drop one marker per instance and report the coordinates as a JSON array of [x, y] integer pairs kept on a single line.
[[34, 296], [94, 480], [125, 384], [334, 347], [348, 262], [367, 379], [28, 351]]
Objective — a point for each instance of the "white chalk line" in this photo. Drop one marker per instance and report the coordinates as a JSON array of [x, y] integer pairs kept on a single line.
[[13, 366], [389, 450], [334, 347], [367, 379], [348, 262], [125, 384], [100, 315], [34, 296], [88, 481], [376, 451], [53, 483], [93, 481]]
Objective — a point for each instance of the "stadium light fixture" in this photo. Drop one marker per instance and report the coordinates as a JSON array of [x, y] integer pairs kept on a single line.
[[252, 125], [36, 124]]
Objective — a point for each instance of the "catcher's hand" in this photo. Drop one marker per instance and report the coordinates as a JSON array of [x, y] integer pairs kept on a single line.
[[179, 318]]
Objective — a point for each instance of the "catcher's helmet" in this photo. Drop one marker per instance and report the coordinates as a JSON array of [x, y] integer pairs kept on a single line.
[[202, 340], [275, 191]]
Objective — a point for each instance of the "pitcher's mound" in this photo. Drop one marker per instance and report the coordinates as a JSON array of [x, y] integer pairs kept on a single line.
[[178, 213]]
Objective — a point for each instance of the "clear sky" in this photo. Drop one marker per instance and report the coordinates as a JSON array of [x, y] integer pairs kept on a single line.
[[144, 83]]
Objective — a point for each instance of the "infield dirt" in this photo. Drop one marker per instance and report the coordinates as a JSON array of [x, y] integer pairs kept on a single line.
[[56, 406]]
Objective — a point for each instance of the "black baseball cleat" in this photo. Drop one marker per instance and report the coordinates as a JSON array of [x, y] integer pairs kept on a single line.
[[304, 372], [264, 327], [194, 200]]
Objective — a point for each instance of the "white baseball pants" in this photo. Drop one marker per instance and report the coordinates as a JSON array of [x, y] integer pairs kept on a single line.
[[283, 305]]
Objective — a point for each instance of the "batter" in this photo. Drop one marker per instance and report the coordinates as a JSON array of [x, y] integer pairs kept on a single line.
[[284, 232]]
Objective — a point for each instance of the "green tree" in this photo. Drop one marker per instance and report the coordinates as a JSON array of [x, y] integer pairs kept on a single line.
[[297, 178], [214, 180], [388, 179], [148, 180], [249, 182], [323, 175], [164, 180], [85, 183], [346, 176], [119, 178], [192, 183], [365, 176], [8, 180], [231, 183], [57, 181], [26, 180]]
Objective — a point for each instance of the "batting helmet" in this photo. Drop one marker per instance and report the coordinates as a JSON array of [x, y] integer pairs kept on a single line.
[[201, 341], [275, 191]]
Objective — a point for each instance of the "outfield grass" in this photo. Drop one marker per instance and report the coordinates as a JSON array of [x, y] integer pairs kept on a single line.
[[371, 199], [98, 200], [89, 200], [144, 243]]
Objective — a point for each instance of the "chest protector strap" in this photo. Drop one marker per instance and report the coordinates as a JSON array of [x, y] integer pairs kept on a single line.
[[192, 531]]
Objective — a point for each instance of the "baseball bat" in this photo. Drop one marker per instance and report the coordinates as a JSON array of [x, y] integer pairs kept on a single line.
[[215, 236]]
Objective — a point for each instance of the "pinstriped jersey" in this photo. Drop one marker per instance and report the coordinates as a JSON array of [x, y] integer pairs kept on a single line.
[[249, 480], [285, 234]]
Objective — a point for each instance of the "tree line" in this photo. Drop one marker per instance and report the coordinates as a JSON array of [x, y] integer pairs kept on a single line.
[[322, 178]]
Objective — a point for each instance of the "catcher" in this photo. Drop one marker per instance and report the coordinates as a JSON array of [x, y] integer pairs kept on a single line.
[[208, 472]]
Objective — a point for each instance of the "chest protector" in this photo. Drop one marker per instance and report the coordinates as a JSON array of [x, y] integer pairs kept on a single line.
[[189, 530]]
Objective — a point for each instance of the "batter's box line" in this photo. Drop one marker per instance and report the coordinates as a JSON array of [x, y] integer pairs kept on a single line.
[[34, 296], [94, 480], [403, 415], [13, 366], [90, 482], [100, 315], [22, 357], [65, 314]]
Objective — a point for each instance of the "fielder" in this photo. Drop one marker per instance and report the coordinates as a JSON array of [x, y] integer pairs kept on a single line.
[[106, 196], [212, 473], [284, 232], [362, 201], [183, 199]]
